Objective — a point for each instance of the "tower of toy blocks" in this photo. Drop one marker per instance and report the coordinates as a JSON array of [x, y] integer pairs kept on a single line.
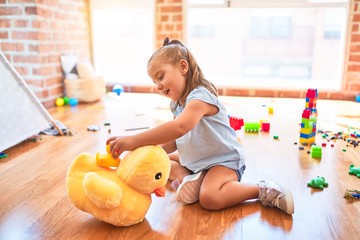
[[309, 118]]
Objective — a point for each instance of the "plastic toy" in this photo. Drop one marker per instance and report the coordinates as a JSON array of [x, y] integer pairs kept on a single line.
[[309, 118], [66, 100], [252, 126], [352, 194], [318, 182], [357, 98], [59, 102], [73, 102], [118, 89], [106, 160], [270, 110], [236, 123], [265, 126], [120, 196], [316, 151], [354, 170]]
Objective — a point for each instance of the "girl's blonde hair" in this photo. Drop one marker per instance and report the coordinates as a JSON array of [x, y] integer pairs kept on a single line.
[[174, 51]]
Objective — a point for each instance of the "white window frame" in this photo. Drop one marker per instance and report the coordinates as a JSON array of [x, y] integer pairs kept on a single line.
[[278, 4]]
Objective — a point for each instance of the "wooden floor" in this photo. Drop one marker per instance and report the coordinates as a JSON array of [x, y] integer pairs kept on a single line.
[[34, 204]]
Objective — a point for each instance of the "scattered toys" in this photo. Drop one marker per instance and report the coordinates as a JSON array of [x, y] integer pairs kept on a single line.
[[252, 127], [316, 151], [59, 102], [118, 89], [309, 118], [352, 194], [318, 182], [235, 122], [265, 126], [354, 170]]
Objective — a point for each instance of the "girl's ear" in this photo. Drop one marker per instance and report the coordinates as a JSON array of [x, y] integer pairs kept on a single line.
[[184, 66]]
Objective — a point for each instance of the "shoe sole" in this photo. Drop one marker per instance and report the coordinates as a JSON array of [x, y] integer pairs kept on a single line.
[[189, 190], [289, 200]]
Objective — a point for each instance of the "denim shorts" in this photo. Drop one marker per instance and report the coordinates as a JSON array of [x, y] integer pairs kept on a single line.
[[240, 172]]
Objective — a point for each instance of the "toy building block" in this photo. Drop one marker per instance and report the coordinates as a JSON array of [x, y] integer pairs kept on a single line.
[[318, 182], [236, 123], [309, 118], [270, 110], [252, 126], [354, 170], [316, 151], [265, 126]]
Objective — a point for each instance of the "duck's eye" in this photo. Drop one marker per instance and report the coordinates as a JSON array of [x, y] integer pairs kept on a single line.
[[158, 176]]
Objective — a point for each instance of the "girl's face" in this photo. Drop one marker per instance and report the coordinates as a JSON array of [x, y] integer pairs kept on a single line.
[[170, 80]]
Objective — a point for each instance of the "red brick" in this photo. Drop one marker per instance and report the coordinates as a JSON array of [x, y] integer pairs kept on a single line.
[[4, 35], [12, 47], [354, 58], [24, 35], [21, 23], [5, 23], [4, 10], [355, 48], [23, 71], [355, 38], [353, 68]]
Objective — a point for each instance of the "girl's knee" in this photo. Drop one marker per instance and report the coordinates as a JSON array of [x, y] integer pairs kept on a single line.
[[210, 201]]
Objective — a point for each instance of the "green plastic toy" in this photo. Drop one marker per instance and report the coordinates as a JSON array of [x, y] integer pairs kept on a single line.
[[252, 127], [316, 151], [354, 170], [318, 182]]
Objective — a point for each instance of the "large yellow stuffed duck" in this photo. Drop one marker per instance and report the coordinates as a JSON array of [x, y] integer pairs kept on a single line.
[[120, 196]]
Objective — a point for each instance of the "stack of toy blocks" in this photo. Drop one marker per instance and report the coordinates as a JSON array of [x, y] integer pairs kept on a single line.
[[309, 118]]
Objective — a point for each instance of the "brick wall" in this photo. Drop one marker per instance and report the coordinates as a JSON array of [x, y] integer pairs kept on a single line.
[[35, 33], [351, 84], [168, 20]]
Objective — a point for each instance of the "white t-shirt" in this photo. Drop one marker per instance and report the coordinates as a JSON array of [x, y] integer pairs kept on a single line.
[[212, 141]]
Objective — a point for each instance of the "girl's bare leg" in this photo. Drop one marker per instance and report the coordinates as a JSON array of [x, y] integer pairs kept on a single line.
[[177, 171], [220, 189]]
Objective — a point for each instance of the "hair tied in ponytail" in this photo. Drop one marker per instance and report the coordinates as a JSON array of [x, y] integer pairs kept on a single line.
[[166, 42]]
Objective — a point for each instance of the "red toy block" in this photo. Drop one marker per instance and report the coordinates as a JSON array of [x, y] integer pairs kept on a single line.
[[265, 126], [236, 123]]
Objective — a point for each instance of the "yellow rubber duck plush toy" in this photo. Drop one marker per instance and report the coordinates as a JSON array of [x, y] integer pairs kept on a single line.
[[120, 196]]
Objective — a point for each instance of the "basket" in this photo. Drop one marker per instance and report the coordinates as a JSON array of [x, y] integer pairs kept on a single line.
[[86, 89]]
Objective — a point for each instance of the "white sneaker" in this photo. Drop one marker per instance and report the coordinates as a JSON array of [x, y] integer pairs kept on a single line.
[[272, 194], [189, 190]]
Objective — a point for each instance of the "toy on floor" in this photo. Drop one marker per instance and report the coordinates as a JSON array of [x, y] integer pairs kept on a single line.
[[236, 122], [118, 89], [119, 196], [252, 127], [107, 160], [352, 194], [309, 118], [354, 170], [318, 182], [316, 151]]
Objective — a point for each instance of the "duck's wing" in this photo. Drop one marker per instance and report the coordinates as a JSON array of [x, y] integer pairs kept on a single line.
[[102, 192]]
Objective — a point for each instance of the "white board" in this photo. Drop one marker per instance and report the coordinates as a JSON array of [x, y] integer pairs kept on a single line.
[[21, 113]]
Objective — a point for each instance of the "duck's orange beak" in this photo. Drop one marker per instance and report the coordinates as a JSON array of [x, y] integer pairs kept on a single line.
[[160, 192]]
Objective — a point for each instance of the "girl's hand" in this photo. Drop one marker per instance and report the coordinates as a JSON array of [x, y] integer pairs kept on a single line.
[[118, 145]]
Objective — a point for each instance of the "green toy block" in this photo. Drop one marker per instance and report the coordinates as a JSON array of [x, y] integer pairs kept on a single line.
[[316, 151], [252, 126]]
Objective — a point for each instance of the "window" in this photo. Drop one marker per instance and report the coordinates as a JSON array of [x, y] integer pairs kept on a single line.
[[288, 44], [123, 39]]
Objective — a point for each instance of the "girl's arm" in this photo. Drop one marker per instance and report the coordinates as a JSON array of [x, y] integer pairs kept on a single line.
[[165, 132], [169, 147]]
